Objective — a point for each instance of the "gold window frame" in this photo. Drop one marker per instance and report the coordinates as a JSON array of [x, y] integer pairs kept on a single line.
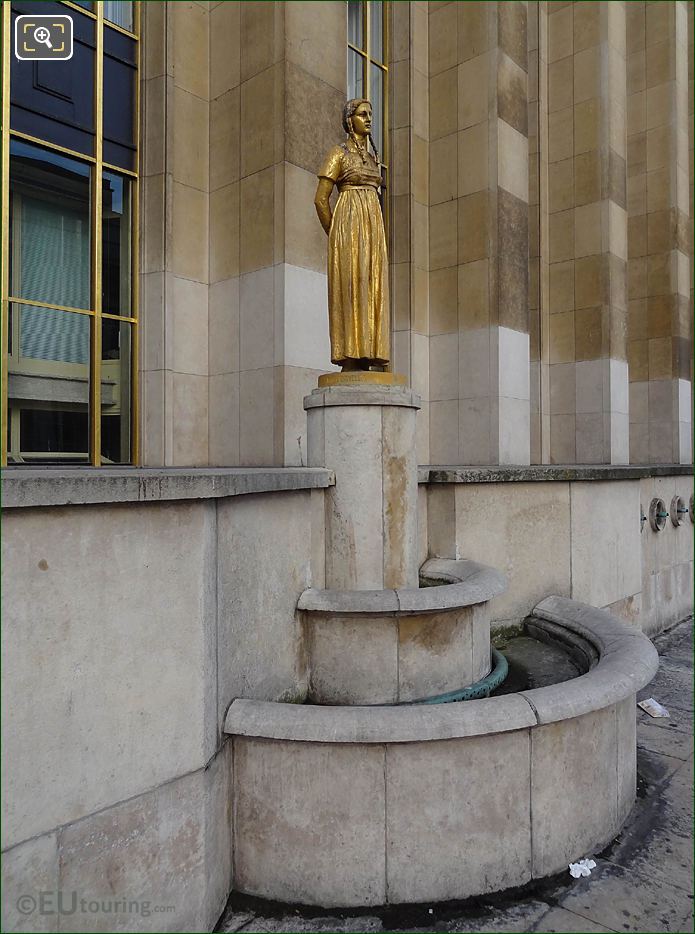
[[97, 168], [367, 60]]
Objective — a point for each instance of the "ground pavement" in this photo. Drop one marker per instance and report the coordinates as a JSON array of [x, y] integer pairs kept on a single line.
[[643, 881]]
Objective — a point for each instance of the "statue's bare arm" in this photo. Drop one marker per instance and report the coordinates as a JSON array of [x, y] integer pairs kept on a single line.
[[322, 203]]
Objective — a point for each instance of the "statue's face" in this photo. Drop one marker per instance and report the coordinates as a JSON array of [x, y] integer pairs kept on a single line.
[[362, 119]]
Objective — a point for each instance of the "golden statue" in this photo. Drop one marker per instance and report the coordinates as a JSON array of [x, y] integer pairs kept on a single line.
[[358, 295]]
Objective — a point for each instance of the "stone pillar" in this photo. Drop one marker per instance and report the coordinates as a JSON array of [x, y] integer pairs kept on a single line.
[[479, 343], [174, 265], [277, 88], [408, 218], [659, 266], [587, 233], [365, 432]]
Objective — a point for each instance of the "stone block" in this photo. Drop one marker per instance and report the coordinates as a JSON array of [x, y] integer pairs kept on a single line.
[[28, 870], [511, 537], [260, 641], [470, 830], [353, 660], [605, 566], [309, 822], [120, 655], [573, 789], [167, 854], [400, 494], [435, 653]]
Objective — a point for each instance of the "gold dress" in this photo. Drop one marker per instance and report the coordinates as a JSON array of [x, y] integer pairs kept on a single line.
[[358, 295]]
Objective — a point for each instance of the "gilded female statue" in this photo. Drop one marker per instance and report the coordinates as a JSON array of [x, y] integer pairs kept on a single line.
[[358, 298]]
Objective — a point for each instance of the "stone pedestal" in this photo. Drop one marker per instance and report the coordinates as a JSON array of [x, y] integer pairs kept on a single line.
[[362, 426]]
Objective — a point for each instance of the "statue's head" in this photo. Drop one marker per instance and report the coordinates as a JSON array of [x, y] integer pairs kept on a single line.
[[357, 116]]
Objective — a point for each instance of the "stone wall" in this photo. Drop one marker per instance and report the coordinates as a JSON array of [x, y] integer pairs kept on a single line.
[[578, 538], [537, 216], [134, 619], [122, 651]]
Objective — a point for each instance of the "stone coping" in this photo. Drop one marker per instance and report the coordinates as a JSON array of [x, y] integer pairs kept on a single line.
[[81, 485], [465, 583], [363, 395], [627, 662], [70, 486], [546, 472]]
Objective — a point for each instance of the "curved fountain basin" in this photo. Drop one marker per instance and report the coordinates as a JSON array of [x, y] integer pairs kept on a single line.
[[391, 646], [354, 806]]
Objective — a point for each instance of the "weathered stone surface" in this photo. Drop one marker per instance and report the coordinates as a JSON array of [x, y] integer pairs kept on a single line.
[[573, 789], [456, 823], [53, 486], [539, 473], [123, 647], [367, 436], [561, 919], [309, 822], [28, 870], [362, 395], [260, 639], [625, 900], [400, 496], [435, 654], [408, 724], [168, 851], [606, 566], [353, 659]]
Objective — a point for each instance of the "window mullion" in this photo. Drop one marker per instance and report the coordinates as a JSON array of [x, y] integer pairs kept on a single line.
[[135, 264], [96, 246], [5, 224]]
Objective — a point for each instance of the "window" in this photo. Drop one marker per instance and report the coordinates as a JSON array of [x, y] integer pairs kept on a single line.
[[69, 241], [367, 63], [367, 74]]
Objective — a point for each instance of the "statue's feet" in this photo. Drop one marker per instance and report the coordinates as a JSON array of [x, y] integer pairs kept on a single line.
[[350, 365]]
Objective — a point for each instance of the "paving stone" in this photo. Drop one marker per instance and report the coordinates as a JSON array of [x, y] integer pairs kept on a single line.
[[672, 687], [298, 925], [560, 919], [664, 742], [520, 917], [232, 921], [654, 769], [625, 900]]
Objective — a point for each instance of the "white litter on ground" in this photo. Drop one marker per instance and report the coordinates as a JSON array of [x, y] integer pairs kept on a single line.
[[582, 868], [653, 707]]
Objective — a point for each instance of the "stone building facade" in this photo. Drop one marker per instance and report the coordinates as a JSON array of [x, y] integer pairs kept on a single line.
[[539, 161]]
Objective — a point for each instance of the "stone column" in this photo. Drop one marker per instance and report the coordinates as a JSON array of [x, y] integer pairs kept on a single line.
[[365, 432], [587, 233], [174, 267], [659, 266], [408, 219], [479, 343]]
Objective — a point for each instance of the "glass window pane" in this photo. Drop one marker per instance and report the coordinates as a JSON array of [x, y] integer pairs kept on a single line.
[[377, 98], [54, 100], [376, 27], [115, 391], [355, 31], [49, 227], [119, 100], [119, 12], [355, 80], [116, 248], [48, 385]]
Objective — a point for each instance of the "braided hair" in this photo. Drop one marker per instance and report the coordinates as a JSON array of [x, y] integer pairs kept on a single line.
[[348, 112]]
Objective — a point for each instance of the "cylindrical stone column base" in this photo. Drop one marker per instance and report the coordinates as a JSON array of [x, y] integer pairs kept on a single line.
[[366, 434]]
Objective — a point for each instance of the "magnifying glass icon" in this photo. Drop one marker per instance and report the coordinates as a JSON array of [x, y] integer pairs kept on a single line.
[[43, 35]]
